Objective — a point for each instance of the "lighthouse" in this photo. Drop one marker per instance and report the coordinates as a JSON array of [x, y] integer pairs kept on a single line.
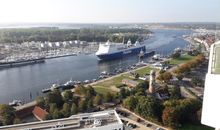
[[152, 82]]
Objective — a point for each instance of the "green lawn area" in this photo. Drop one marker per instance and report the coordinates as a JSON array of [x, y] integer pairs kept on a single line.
[[114, 81], [195, 127], [181, 59], [144, 71], [103, 90]]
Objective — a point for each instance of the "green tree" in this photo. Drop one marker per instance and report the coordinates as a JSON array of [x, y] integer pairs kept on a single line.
[[91, 90], [49, 116], [80, 90], [55, 97], [90, 104], [66, 110], [176, 55], [98, 99], [130, 103], [75, 99], [123, 93], [185, 109], [88, 95], [137, 76], [68, 95], [189, 108], [82, 105], [74, 109], [171, 117], [108, 97], [40, 101], [179, 76], [7, 114], [57, 114], [17, 121], [138, 91], [143, 84], [197, 81], [175, 92], [149, 108], [165, 77], [53, 107]]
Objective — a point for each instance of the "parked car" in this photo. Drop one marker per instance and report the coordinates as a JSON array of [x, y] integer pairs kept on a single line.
[[159, 128], [148, 125]]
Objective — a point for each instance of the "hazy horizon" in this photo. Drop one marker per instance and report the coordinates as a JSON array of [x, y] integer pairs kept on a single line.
[[108, 11]]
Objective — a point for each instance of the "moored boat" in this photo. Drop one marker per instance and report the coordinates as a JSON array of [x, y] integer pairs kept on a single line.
[[45, 90], [15, 103]]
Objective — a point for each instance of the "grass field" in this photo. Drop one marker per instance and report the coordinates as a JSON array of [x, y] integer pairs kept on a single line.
[[114, 81], [195, 127], [144, 71], [181, 59], [103, 90]]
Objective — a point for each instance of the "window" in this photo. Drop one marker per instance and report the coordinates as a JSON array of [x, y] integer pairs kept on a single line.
[[216, 60]]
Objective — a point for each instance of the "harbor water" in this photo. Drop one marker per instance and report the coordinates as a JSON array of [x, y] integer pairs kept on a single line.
[[26, 82]]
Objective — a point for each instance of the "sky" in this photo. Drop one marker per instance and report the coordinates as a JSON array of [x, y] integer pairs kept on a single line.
[[108, 11]]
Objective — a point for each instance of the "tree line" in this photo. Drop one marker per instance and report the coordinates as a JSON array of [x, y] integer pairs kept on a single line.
[[84, 34]]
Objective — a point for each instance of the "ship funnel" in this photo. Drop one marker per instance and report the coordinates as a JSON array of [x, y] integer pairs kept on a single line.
[[129, 42]]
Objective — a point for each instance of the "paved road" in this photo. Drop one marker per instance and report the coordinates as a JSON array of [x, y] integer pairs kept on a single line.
[[141, 124], [186, 94]]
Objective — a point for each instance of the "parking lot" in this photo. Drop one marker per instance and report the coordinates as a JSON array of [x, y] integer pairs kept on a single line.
[[131, 121]]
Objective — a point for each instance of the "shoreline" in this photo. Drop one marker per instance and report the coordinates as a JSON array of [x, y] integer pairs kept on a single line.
[[34, 103]]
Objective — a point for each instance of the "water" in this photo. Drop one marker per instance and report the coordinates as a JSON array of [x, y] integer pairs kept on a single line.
[[19, 82]]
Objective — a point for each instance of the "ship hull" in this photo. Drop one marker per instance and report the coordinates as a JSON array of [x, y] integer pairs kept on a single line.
[[121, 54]]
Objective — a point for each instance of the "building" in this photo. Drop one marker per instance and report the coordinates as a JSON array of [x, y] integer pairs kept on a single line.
[[103, 120], [211, 106], [39, 113], [130, 83]]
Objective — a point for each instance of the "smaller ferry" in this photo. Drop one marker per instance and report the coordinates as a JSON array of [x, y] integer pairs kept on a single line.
[[69, 84], [15, 103], [52, 88], [45, 90]]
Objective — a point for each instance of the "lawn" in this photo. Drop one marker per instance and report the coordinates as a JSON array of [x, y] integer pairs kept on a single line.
[[103, 90], [195, 127], [114, 81], [144, 71], [181, 59]]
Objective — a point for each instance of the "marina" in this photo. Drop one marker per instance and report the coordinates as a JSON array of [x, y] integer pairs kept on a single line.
[[23, 80]]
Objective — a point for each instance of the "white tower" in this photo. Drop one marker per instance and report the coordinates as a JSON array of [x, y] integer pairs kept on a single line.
[[152, 82]]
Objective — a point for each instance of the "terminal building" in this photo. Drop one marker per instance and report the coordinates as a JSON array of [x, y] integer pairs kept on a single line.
[[211, 105], [103, 120]]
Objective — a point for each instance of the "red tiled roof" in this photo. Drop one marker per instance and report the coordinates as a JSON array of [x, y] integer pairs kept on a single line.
[[39, 113]]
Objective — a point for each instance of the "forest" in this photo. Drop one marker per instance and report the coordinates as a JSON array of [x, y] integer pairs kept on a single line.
[[54, 34]]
